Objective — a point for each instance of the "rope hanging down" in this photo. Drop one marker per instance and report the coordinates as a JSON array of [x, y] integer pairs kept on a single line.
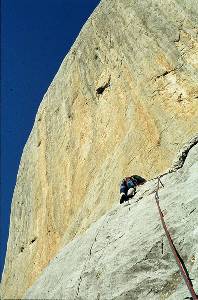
[[179, 261]]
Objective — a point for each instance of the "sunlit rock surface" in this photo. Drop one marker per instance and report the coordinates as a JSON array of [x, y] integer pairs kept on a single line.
[[124, 101], [125, 254]]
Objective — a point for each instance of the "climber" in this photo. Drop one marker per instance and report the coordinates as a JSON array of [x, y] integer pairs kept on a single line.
[[128, 187]]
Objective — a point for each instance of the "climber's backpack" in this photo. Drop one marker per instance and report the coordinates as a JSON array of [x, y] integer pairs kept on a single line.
[[138, 179]]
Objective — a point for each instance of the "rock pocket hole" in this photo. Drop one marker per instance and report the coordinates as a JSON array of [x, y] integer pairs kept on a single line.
[[32, 241], [39, 143], [101, 89], [22, 249]]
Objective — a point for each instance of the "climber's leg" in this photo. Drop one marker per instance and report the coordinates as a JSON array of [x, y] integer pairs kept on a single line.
[[131, 192]]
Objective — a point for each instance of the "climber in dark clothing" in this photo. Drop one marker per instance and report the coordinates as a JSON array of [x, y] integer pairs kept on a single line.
[[128, 187]]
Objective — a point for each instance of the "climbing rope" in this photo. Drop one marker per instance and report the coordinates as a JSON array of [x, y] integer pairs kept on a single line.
[[179, 261]]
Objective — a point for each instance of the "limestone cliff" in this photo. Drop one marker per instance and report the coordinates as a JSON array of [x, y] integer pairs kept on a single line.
[[125, 254], [123, 101]]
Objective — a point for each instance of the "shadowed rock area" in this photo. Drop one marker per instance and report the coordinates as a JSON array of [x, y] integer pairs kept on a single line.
[[124, 101], [125, 254]]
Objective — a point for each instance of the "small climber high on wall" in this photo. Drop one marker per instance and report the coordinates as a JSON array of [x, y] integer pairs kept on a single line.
[[128, 187]]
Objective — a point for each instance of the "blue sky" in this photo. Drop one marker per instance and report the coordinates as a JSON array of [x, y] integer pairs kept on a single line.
[[35, 37]]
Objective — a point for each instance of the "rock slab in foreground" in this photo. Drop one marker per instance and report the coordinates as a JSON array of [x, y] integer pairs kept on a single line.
[[125, 254]]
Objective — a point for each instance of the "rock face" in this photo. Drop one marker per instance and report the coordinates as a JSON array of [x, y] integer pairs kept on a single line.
[[125, 254], [124, 101]]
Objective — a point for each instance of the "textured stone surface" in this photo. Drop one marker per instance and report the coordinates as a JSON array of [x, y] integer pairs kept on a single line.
[[178, 163], [125, 254], [83, 143]]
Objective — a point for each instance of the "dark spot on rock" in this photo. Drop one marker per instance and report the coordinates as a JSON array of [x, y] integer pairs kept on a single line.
[[164, 74], [70, 116], [158, 142], [95, 56], [22, 249], [67, 147], [100, 90], [192, 210], [39, 143], [32, 241], [179, 99]]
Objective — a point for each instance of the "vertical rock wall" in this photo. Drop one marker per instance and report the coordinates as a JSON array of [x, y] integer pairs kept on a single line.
[[141, 57]]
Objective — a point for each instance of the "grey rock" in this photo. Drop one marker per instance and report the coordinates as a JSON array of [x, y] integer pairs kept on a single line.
[[125, 254], [179, 161]]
